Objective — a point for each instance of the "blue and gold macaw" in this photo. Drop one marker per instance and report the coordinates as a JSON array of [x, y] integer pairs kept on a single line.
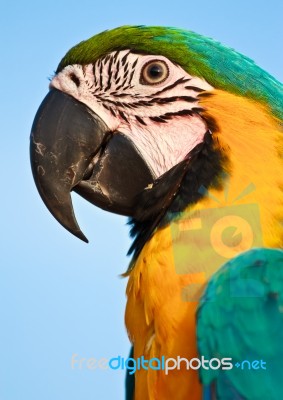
[[184, 136]]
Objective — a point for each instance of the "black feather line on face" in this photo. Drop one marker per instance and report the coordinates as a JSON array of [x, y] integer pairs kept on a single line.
[[175, 190], [172, 86], [100, 76], [109, 74], [124, 59]]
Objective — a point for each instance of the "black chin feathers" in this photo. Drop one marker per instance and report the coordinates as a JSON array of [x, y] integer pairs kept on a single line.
[[179, 187]]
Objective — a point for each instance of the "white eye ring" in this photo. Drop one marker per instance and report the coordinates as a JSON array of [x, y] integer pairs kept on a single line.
[[154, 72]]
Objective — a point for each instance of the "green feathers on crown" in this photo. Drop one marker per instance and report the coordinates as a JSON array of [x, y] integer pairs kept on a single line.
[[200, 56]]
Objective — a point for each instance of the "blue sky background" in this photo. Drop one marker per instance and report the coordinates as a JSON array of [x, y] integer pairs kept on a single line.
[[59, 296]]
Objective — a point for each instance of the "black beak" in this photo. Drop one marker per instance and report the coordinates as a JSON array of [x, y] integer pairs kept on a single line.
[[72, 149]]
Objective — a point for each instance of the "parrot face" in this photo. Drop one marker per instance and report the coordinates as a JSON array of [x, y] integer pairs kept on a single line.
[[109, 129], [147, 98]]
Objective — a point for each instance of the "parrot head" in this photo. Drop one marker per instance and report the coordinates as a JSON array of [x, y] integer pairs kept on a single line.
[[125, 123]]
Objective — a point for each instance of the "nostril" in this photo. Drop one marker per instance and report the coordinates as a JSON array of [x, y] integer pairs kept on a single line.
[[75, 79]]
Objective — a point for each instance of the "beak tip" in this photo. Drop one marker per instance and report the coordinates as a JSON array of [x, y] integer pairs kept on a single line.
[[81, 236]]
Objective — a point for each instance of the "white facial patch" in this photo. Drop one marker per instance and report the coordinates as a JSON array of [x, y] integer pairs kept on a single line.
[[162, 119]]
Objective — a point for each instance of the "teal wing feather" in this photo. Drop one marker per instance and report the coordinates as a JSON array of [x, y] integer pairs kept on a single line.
[[241, 317]]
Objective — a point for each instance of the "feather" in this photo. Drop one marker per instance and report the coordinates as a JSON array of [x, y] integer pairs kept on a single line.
[[241, 316]]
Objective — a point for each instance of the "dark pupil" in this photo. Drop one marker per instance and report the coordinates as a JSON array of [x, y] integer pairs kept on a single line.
[[155, 71]]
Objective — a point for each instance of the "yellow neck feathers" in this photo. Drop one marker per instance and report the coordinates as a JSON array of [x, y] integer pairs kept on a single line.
[[253, 140]]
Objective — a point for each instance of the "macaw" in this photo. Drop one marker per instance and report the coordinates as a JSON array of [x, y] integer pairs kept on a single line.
[[184, 136]]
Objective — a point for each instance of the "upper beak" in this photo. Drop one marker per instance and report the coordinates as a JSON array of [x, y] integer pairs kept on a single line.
[[72, 149]]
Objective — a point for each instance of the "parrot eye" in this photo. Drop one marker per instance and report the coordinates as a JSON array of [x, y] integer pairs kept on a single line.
[[154, 72]]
